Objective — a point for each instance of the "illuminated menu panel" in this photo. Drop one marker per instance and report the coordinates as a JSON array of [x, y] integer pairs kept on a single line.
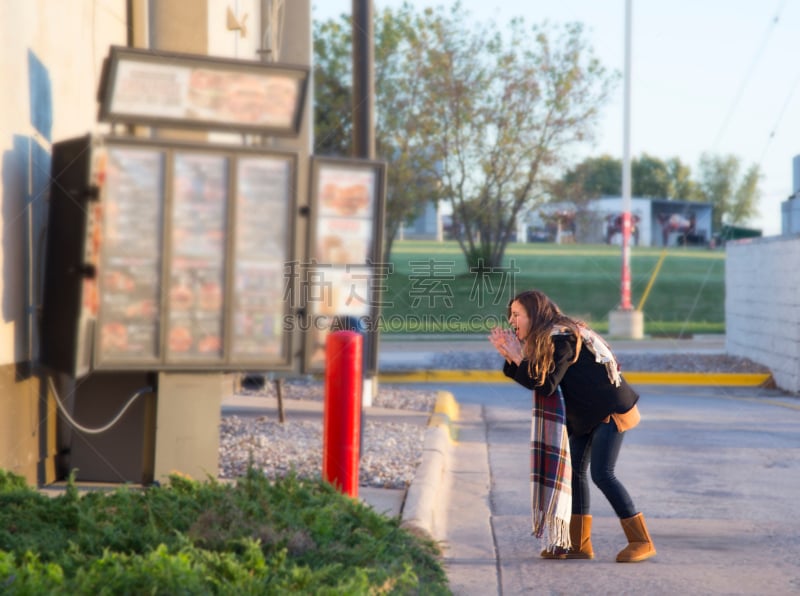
[[197, 257], [344, 246], [261, 248], [129, 273]]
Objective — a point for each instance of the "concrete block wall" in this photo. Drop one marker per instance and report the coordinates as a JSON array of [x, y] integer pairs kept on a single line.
[[762, 305]]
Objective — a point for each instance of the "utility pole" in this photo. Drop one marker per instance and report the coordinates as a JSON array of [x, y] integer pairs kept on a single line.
[[363, 77], [626, 322]]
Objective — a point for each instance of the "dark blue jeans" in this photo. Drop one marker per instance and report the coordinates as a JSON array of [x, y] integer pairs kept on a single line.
[[601, 448]]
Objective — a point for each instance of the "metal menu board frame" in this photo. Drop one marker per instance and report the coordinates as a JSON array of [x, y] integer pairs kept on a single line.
[[342, 283], [177, 90], [194, 241]]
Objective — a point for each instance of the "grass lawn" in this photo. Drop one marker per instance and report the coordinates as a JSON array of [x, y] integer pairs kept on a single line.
[[431, 291]]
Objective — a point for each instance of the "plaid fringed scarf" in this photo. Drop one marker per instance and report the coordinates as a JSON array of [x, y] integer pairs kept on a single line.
[[551, 471]]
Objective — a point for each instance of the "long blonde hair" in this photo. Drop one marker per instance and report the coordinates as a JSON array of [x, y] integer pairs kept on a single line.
[[544, 316]]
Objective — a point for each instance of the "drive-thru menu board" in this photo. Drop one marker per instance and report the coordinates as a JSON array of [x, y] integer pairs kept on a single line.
[[165, 254], [191, 244]]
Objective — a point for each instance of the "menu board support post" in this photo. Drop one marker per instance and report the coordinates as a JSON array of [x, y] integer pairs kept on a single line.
[[187, 435]]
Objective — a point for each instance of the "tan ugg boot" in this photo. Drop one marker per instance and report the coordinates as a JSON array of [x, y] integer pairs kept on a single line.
[[640, 545], [580, 535]]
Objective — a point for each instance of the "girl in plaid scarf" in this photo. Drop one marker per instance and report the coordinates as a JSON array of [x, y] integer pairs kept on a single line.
[[582, 409]]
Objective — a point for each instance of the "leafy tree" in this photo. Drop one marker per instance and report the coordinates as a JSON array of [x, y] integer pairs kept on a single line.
[[734, 197], [681, 184], [333, 101], [505, 109], [650, 178], [401, 125], [465, 113], [597, 177], [591, 179]]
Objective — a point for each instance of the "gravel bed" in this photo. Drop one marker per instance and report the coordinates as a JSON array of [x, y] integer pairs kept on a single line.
[[391, 452]]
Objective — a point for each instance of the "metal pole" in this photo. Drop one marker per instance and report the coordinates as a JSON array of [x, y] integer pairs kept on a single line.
[[363, 61], [363, 67], [625, 302]]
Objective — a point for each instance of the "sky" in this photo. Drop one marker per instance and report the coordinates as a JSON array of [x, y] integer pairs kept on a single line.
[[707, 76]]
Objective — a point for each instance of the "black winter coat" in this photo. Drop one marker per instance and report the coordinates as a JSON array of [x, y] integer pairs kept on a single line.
[[589, 396]]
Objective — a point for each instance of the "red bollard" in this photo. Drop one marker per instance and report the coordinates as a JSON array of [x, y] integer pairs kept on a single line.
[[342, 415]]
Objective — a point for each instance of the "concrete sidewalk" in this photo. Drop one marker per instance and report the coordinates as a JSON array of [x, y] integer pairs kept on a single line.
[[715, 471]]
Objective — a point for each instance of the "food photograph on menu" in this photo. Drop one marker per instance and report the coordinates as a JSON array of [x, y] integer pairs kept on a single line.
[[345, 196]]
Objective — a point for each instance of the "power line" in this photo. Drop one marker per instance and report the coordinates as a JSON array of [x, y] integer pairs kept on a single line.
[[746, 80], [778, 120]]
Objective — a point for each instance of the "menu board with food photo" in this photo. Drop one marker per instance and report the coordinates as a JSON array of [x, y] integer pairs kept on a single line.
[[129, 272], [197, 257], [182, 89], [345, 225], [345, 246], [263, 234], [345, 191]]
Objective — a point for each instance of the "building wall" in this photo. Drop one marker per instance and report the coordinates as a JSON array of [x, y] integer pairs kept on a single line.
[[53, 53], [790, 216], [762, 305], [428, 226]]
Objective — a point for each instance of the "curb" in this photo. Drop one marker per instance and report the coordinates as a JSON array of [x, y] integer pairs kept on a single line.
[[633, 377], [422, 497]]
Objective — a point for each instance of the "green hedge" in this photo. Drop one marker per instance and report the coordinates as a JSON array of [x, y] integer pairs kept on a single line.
[[255, 537]]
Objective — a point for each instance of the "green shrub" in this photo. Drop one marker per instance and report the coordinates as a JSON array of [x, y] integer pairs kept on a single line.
[[258, 536]]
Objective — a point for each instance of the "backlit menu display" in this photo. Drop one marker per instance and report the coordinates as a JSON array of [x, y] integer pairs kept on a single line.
[[192, 247], [197, 257], [261, 249], [129, 274]]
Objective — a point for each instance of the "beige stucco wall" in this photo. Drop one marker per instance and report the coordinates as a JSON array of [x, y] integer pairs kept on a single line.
[[50, 66]]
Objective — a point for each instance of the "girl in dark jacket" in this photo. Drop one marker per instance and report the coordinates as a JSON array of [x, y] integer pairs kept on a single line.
[[545, 350]]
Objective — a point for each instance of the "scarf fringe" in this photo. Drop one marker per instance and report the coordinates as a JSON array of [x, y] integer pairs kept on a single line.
[[553, 533]]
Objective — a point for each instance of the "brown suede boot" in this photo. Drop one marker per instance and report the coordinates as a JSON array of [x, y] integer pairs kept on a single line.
[[580, 535], [640, 545]]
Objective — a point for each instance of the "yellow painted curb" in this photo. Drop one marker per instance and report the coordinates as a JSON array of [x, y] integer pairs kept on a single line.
[[446, 404], [736, 379], [445, 412], [640, 378]]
